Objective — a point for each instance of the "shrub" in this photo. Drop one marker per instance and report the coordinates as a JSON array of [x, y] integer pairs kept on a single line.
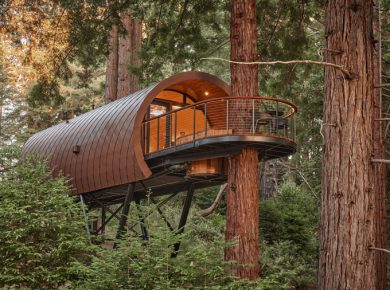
[[41, 228], [288, 225]]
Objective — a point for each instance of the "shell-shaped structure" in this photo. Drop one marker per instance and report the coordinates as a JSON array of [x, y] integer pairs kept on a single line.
[[103, 148]]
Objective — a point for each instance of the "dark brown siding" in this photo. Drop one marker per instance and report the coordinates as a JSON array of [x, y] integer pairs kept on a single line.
[[109, 137]]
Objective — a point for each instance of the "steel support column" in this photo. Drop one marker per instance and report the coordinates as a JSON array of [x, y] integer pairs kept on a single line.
[[125, 211], [106, 221], [184, 216], [103, 218], [84, 206], [144, 231]]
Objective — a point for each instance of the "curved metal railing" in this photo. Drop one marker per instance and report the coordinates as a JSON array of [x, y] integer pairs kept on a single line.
[[229, 116]]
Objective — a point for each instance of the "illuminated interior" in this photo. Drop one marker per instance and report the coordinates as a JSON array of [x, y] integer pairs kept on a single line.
[[161, 131]]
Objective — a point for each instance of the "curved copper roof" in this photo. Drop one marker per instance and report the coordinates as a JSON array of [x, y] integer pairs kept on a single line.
[[102, 148]]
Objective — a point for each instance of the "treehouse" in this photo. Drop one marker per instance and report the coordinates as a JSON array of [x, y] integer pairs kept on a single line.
[[174, 136]]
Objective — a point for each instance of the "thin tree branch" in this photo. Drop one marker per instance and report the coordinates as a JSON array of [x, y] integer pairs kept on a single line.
[[346, 72], [208, 211], [301, 175], [181, 16], [379, 249], [386, 161], [387, 85], [275, 27], [223, 43]]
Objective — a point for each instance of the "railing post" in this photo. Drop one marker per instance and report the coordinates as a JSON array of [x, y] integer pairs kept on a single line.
[[253, 117], [147, 132], [227, 117], [158, 134], [194, 127], [205, 119], [175, 128]]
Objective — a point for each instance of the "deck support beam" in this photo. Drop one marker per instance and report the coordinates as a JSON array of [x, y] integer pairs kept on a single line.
[[184, 216]]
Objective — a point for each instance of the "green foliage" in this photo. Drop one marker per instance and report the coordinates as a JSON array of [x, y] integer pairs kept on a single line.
[[44, 244], [205, 198], [285, 266], [138, 264], [41, 228], [292, 215], [179, 33], [288, 226], [45, 92]]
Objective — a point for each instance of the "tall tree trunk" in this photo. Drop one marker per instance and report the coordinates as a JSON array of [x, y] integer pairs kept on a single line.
[[348, 193], [242, 213], [135, 50], [379, 152], [124, 51], [112, 66], [129, 47]]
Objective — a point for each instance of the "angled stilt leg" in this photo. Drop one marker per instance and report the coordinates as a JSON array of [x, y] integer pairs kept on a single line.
[[125, 210], [103, 225], [158, 208], [144, 231], [162, 215], [183, 218], [84, 206], [106, 221]]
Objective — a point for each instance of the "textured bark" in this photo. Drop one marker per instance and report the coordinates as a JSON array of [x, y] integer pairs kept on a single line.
[[129, 47], [348, 193], [124, 51], [112, 67], [379, 153], [242, 214], [135, 50]]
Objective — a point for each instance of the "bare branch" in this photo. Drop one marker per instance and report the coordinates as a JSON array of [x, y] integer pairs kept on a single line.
[[382, 86], [379, 249], [300, 174], [346, 72], [380, 161], [208, 211]]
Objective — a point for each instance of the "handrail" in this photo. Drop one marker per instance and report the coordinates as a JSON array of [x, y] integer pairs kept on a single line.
[[293, 111], [259, 116]]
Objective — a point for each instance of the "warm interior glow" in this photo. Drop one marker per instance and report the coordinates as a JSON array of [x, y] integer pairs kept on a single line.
[[166, 124]]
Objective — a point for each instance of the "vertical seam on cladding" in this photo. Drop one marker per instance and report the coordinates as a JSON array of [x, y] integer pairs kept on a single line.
[[124, 119], [124, 174], [71, 160], [79, 123], [129, 145], [90, 129], [101, 126], [106, 139]]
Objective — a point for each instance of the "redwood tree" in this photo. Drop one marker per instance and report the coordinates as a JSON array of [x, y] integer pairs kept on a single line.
[[379, 152], [348, 210], [242, 214], [123, 51], [112, 66]]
